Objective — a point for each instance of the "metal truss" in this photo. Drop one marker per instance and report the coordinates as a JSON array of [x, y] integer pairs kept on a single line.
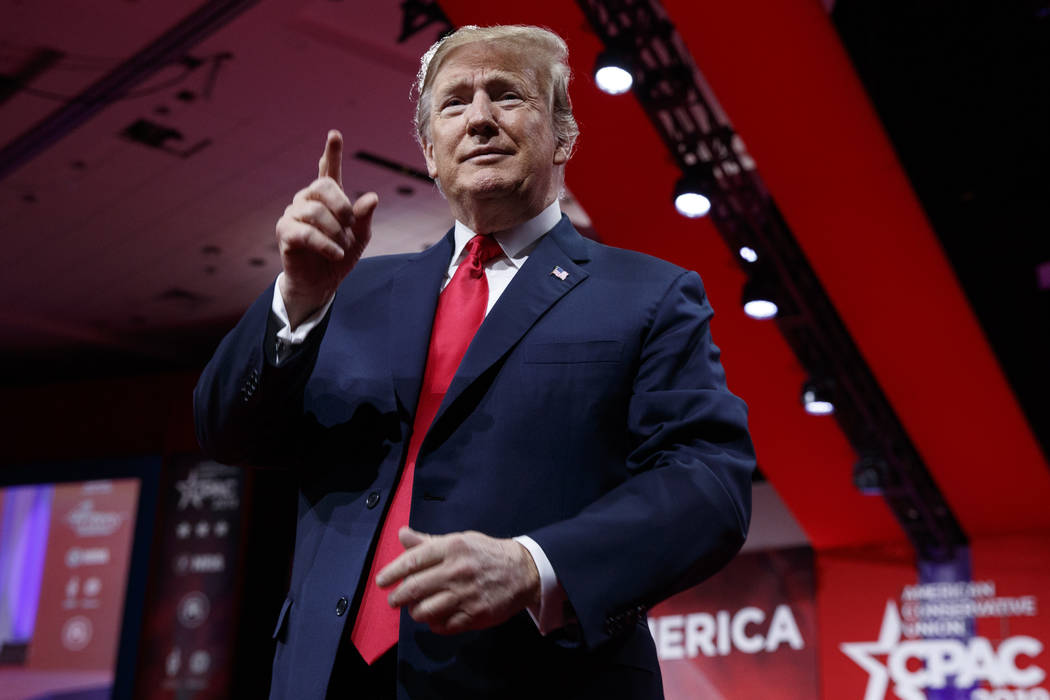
[[699, 137], [417, 15]]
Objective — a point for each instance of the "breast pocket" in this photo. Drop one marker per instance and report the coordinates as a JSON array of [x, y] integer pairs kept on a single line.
[[570, 380], [606, 351]]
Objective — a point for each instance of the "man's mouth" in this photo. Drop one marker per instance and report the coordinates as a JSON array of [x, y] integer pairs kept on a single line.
[[482, 153]]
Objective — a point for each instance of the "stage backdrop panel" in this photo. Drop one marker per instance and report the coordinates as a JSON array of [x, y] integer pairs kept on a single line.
[[748, 632], [973, 628], [1011, 616], [81, 603], [191, 620]]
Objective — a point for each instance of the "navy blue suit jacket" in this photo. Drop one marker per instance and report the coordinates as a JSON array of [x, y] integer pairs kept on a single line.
[[590, 413]]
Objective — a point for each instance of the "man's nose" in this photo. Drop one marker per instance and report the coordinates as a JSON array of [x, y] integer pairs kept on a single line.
[[481, 119]]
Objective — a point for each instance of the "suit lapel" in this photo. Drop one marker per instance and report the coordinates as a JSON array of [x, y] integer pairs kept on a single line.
[[549, 273], [414, 294]]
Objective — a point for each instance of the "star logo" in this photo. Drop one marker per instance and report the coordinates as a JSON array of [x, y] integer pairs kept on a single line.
[[195, 489], [863, 654], [938, 662], [191, 491]]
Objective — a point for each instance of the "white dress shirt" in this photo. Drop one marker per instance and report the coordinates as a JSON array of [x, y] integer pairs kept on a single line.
[[517, 242]]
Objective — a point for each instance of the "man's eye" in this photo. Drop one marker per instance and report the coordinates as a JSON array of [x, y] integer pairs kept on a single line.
[[509, 96], [452, 102]]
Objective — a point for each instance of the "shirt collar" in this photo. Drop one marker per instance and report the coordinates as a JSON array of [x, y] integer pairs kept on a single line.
[[516, 241]]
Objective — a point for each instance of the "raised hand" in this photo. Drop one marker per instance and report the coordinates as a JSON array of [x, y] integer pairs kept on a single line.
[[321, 235], [461, 581]]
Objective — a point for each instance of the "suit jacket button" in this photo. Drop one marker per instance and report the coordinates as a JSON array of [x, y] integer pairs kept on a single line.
[[373, 500], [341, 605]]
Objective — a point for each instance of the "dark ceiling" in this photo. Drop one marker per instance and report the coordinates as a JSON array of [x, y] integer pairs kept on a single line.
[[963, 90]]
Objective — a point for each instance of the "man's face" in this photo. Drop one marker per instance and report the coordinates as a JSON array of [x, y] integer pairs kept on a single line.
[[491, 136]]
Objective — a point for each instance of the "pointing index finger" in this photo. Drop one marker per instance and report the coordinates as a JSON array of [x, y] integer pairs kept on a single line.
[[331, 163]]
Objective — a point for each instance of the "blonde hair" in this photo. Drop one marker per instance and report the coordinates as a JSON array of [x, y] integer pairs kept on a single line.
[[548, 50]]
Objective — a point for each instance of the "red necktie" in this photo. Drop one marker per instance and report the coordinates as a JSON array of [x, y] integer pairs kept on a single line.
[[460, 311]]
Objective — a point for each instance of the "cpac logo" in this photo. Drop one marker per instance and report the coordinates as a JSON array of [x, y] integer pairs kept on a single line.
[[941, 661], [194, 490]]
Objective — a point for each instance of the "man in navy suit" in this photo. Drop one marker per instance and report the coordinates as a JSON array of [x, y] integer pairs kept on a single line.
[[585, 461]]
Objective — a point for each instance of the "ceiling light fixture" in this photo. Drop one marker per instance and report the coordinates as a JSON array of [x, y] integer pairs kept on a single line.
[[692, 193], [870, 475], [612, 73], [816, 398], [758, 299]]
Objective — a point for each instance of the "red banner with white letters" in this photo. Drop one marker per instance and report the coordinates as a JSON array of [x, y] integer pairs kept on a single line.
[[890, 633], [868, 623], [748, 632]]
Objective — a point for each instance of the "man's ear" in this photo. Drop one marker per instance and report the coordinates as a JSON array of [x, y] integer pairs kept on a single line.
[[428, 154], [561, 153]]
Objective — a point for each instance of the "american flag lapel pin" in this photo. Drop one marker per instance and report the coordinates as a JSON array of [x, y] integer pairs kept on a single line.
[[560, 273]]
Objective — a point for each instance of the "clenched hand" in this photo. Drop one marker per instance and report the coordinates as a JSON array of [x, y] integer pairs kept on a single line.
[[461, 581]]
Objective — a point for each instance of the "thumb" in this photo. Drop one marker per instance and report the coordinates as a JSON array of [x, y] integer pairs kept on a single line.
[[363, 209], [410, 538], [331, 163]]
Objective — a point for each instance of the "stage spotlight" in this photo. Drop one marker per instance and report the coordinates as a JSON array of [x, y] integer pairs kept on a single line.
[[748, 253], [758, 299], [612, 73], [869, 475], [692, 192], [817, 399]]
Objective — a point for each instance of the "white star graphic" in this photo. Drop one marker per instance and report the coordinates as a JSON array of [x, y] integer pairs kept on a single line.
[[863, 654], [191, 491]]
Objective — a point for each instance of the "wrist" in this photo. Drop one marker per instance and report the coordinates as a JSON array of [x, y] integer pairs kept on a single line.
[[301, 303], [532, 588]]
